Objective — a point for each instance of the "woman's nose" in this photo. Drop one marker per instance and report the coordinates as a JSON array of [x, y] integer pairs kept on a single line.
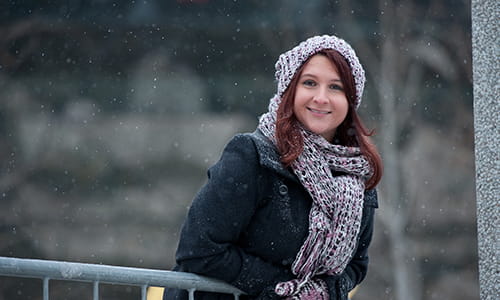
[[321, 96]]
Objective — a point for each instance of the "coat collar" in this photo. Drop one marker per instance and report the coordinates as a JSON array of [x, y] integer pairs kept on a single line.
[[269, 156]]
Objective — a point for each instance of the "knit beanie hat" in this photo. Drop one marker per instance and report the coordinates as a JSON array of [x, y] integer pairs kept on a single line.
[[289, 62]]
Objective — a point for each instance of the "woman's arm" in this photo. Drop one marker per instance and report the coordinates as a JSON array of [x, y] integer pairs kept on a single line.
[[219, 215]]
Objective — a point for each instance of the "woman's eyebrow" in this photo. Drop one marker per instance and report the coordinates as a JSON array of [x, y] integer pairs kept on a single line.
[[308, 75], [314, 76]]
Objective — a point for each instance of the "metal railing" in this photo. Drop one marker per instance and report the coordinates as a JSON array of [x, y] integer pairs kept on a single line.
[[47, 270]]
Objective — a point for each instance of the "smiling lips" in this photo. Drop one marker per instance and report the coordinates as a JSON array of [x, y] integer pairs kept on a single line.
[[318, 111]]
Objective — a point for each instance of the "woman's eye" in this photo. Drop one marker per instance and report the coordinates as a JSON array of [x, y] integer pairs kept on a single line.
[[336, 87], [309, 83]]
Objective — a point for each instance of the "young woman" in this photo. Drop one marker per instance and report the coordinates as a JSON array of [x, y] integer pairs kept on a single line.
[[287, 211]]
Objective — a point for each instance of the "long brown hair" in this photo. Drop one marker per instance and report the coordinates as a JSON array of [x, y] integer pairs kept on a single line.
[[351, 132]]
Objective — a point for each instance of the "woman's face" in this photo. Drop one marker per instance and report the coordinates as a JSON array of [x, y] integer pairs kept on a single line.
[[320, 103]]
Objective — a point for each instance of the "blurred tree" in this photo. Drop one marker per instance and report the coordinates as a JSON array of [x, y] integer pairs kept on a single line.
[[411, 46]]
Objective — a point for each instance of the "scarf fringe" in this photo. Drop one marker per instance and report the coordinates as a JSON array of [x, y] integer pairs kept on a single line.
[[306, 262]]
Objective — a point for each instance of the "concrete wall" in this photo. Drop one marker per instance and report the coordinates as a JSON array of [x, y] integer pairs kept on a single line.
[[485, 44]]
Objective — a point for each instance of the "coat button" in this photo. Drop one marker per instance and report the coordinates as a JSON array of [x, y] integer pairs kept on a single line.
[[283, 189]]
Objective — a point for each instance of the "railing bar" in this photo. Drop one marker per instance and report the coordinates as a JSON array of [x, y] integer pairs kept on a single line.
[[96, 290], [57, 270], [191, 294], [45, 288], [144, 290]]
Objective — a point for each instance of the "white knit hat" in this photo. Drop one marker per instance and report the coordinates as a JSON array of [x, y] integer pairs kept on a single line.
[[289, 62]]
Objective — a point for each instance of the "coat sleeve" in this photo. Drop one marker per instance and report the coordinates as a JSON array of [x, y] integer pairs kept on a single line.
[[340, 285], [219, 215]]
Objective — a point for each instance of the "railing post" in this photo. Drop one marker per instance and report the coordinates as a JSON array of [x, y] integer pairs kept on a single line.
[[45, 288], [191, 294], [96, 290], [144, 292]]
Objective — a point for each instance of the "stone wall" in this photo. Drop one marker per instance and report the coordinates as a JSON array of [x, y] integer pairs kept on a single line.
[[486, 70]]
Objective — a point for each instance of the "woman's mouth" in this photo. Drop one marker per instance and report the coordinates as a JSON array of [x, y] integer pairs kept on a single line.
[[316, 111]]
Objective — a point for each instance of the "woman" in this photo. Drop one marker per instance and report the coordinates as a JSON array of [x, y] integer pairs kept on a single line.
[[287, 212]]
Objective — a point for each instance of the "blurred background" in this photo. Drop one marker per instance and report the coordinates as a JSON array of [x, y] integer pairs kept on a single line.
[[111, 112]]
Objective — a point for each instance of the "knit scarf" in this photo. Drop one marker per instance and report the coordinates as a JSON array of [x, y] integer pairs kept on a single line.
[[336, 211]]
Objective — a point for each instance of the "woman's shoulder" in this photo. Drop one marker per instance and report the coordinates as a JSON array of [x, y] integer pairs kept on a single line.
[[266, 152], [242, 152], [257, 138], [241, 144], [258, 143]]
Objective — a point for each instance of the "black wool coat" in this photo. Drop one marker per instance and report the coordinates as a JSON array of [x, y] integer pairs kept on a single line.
[[248, 222]]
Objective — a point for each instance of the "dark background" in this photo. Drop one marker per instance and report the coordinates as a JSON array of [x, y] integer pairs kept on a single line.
[[111, 111]]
